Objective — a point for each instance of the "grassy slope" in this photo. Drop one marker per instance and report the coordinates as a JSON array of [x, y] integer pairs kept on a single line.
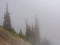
[[6, 38]]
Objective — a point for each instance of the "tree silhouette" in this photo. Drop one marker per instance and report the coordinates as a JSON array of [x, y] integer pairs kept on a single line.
[[7, 20], [20, 33], [27, 31]]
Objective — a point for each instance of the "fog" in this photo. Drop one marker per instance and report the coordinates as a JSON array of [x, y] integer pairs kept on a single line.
[[47, 11]]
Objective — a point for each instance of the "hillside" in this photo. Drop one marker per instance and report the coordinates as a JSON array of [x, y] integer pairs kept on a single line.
[[7, 39]]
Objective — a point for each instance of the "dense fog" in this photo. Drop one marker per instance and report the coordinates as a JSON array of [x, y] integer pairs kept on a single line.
[[47, 11]]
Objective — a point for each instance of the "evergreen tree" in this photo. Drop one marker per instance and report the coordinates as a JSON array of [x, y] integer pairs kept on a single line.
[[36, 30], [36, 33], [27, 31], [20, 33], [7, 20]]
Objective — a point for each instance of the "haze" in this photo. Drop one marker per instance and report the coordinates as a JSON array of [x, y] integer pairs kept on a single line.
[[48, 12]]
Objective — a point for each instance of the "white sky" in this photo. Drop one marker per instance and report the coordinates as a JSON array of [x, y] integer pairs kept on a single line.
[[48, 12]]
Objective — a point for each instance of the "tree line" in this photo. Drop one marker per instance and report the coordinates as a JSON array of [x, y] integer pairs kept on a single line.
[[32, 32]]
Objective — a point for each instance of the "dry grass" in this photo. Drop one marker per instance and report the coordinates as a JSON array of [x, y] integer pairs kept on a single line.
[[6, 38]]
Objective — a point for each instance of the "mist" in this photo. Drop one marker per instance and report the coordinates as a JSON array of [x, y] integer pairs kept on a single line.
[[47, 11]]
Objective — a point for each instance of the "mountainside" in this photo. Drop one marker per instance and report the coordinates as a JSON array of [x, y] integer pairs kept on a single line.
[[7, 39]]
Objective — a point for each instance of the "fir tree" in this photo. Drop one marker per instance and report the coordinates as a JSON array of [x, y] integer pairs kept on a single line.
[[20, 33], [27, 31], [7, 20]]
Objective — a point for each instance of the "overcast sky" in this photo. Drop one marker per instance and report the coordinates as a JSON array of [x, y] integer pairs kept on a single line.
[[48, 12]]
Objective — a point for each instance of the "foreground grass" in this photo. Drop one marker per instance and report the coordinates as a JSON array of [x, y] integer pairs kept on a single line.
[[14, 36]]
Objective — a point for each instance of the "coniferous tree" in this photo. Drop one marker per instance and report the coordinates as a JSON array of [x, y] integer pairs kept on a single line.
[[20, 33], [27, 31], [7, 20], [37, 32]]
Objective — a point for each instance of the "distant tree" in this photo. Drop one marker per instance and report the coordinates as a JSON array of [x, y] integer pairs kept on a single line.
[[7, 20], [36, 32], [13, 31], [27, 31], [20, 33]]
